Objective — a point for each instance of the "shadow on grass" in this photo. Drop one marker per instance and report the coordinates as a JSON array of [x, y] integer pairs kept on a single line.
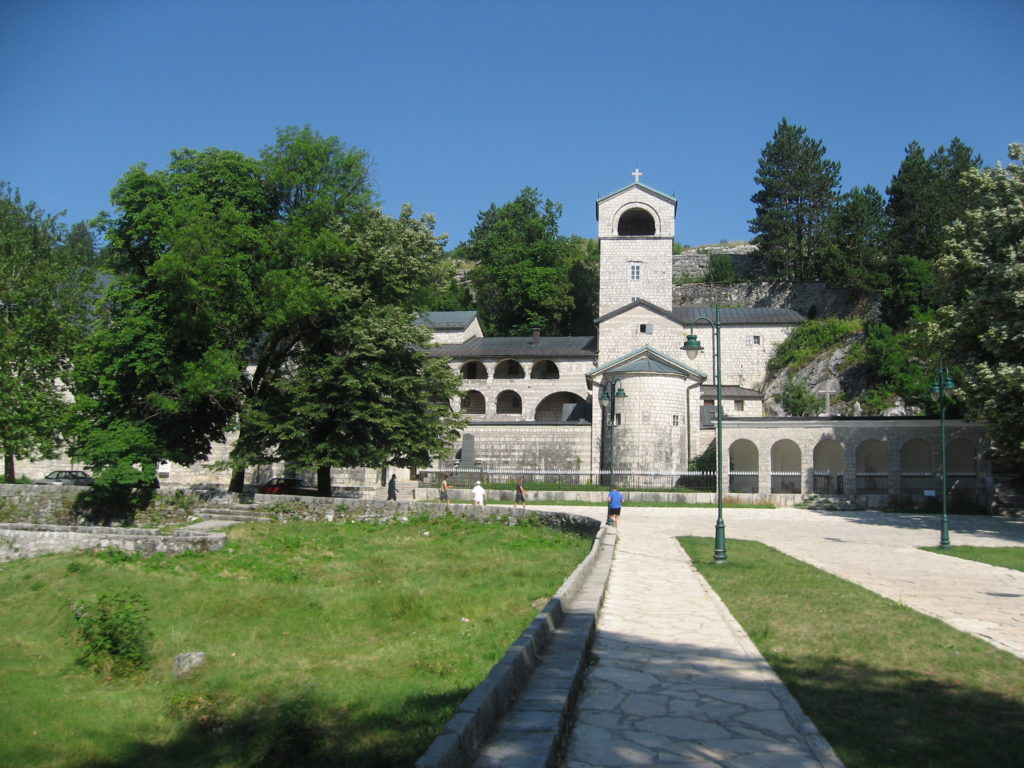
[[874, 716], [290, 731]]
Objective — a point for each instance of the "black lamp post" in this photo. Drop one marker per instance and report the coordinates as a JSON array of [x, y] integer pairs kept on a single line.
[[692, 347], [943, 384], [609, 400]]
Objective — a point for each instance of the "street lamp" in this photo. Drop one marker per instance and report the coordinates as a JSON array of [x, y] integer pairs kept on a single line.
[[692, 347], [609, 400], [943, 384]]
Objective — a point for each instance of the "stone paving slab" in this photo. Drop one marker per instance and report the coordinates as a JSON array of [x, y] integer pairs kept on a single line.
[[677, 682]]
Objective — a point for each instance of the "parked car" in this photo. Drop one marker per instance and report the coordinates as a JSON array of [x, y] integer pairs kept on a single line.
[[291, 486], [66, 477]]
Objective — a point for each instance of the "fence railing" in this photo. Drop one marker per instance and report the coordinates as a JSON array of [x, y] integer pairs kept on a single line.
[[553, 479], [785, 482], [872, 482], [826, 482], [742, 481]]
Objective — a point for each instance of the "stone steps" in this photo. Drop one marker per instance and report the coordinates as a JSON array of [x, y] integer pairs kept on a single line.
[[240, 513]]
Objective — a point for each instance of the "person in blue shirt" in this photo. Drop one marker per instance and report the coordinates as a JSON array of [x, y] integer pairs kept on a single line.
[[614, 505]]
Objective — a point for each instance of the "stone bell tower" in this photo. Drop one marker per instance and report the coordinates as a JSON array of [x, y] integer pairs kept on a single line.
[[636, 227]]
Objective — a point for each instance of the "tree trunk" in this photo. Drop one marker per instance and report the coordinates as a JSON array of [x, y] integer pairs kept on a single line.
[[237, 484], [9, 468], [323, 481]]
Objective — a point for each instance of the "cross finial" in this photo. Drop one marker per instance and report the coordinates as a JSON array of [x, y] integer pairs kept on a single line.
[[636, 175]]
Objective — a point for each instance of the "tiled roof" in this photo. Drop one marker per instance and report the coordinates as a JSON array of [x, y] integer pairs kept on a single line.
[[446, 321], [732, 392], [519, 346], [739, 315]]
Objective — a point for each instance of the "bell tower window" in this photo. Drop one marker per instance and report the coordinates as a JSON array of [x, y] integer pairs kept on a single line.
[[636, 222]]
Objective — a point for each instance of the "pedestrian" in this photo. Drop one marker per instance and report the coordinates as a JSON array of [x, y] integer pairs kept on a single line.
[[393, 488], [445, 488], [478, 494], [520, 494], [614, 506]]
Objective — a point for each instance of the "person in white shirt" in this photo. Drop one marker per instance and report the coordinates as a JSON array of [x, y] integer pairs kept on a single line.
[[478, 494]]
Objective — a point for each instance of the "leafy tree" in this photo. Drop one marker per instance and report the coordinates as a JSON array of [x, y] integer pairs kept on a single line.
[[900, 365], [46, 275], [585, 283], [720, 269], [521, 275], [799, 188], [858, 233], [797, 400], [981, 325], [237, 280], [926, 196]]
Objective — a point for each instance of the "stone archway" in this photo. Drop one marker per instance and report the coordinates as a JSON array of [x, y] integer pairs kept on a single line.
[[829, 463], [785, 458], [872, 467], [917, 470], [742, 467]]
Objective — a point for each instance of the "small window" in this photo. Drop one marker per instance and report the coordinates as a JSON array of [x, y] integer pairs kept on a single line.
[[634, 271], [757, 341], [737, 405], [618, 419], [646, 327], [675, 419]]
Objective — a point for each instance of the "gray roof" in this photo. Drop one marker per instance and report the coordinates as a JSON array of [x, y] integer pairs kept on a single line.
[[643, 186], [519, 346], [732, 392], [739, 315], [447, 321]]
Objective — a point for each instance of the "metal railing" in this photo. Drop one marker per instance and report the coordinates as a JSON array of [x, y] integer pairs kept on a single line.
[[872, 482], [785, 482], [827, 483], [743, 481], [553, 479]]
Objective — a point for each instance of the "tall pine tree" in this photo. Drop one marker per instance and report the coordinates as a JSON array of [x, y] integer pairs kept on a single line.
[[799, 190]]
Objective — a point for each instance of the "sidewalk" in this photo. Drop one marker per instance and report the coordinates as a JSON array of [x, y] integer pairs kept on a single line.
[[678, 683]]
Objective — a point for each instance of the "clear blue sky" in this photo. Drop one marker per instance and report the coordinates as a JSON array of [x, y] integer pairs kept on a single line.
[[461, 104]]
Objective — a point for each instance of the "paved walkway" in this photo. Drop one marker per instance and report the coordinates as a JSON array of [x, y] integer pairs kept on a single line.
[[677, 681]]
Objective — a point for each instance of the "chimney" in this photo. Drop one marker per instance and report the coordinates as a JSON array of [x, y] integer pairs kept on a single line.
[[536, 337]]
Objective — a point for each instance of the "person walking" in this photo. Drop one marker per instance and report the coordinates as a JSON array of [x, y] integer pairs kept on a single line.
[[445, 488], [393, 488], [614, 505], [520, 494], [478, 494]]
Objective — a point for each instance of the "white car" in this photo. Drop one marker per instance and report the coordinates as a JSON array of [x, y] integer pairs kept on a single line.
[[66, 477]]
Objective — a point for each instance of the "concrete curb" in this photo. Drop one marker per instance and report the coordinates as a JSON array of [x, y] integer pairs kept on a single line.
[[534, 713]]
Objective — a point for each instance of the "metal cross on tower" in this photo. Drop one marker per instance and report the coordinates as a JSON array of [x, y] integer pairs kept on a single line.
[[636, 175]]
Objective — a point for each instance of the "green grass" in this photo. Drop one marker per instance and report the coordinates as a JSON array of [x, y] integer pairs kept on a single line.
[[1007, 557], [885, 685], [328, 644], [570, 503]]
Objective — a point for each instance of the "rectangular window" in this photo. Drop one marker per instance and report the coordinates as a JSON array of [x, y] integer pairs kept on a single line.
[[646, 328], [757, 341], [737, 405], [618, 419], [675, 419], [634, 271]]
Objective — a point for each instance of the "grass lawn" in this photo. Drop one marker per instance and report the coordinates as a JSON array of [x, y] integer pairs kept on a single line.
[[885, 685], [1007, 557], [345, 644], [570, 503]]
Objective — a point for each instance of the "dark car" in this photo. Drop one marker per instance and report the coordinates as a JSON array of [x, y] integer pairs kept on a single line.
[[66, 477], [291, 486]]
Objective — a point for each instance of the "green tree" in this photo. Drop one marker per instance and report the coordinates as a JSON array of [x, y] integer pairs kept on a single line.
[[858, 233], [521, 275], [236, 275], [798, 191], [981, 324], [797, 400], [46, 276], [926, 196]]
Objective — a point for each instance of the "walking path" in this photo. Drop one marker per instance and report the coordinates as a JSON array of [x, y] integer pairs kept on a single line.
[[678, 683]]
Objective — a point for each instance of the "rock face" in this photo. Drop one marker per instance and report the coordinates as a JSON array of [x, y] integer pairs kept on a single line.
[[187, 663]]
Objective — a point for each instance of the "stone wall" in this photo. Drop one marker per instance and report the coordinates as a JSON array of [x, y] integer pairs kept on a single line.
[[22, 540], [513, 445], [809, 299]]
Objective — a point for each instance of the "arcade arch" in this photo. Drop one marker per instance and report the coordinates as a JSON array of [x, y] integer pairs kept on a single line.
[[560, 406], [742, 470], [785, 457], [509, 369], [508, 403]]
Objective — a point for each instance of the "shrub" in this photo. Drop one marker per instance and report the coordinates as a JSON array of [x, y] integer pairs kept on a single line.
[[797, 400], [812, 338], [114, 633], [720, 269]]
